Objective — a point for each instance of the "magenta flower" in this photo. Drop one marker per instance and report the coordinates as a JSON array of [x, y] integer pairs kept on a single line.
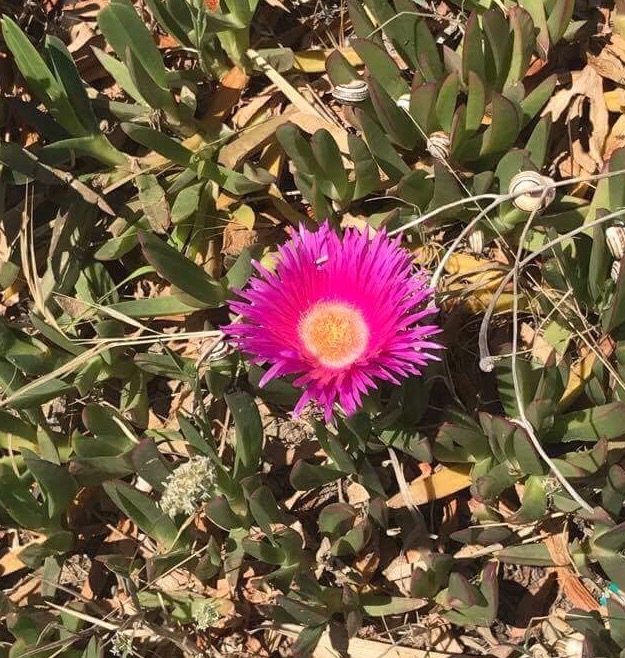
[[340, 313]]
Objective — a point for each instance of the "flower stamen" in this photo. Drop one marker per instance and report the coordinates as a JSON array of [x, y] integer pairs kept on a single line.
[[334, 332]]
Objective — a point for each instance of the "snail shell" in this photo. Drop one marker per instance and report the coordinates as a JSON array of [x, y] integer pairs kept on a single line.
[[615, 238], [220, 351], [355, 91], [476, 241], [529, 198], [438, 145], [403, 102], [615, 270]]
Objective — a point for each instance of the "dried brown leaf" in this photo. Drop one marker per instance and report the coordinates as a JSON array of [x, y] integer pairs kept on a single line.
[[253, 139], [610, 61], [228, 92], [586, 91]]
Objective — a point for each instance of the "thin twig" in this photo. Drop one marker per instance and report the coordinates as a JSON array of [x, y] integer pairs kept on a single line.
[[298, 100]]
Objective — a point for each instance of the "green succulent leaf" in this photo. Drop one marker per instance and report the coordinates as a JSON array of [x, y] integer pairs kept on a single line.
[[537, 10], [382, 67], [249, 433], [327, 154], [476, 103], [377, 605], [504, 127], [559, 19], [473, 49], [16, 499], [396, 124], [499, 52], [144, 512], [181, 272], [423, 107], [446, 101], [382, 150], [366, 170], [523, 45], [305, 476], [605, 421], [336, 519], [126, 32], [40, 79]]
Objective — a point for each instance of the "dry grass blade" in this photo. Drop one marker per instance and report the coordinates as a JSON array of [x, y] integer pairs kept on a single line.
[[294, 96]]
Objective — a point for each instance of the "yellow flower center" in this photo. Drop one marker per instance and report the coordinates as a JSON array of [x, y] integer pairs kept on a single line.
[[334, 332]]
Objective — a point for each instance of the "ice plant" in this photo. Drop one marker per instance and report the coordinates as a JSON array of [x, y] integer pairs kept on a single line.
[[340, 313]]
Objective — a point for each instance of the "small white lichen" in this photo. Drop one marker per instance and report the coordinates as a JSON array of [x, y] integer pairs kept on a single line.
[[205, 614], [121, 644], [188, 486]]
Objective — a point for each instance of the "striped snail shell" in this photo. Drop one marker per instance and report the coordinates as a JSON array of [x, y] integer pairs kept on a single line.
[[615, 270], [615, 238], [403, 102], [476, 241], [438, 145], [528, 198], [355, 91], [220, 351]]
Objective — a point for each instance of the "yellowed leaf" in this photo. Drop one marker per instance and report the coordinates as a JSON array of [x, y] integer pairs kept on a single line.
[[225, 200], [616, 138], [582, 370], [238, 236], [465, 263], [471, 281], [541, 350], [272, 158], [615, 99], [245, 216], [363, 648], [314, 61], [610, 61], [569, 581], [255, 111], [440, 484], [10, 563]]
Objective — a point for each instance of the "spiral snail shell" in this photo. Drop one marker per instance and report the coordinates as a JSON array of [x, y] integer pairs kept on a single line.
[[355, 91], [217, 351], [403, 102], [615, 239], [532, 191], [615, 270], [476, 241], [438, 145]]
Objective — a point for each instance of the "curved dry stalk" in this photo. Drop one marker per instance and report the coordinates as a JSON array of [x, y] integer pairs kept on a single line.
[[523, 420], [502, 198], [456, 243], [448, 206], [487, 361]]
